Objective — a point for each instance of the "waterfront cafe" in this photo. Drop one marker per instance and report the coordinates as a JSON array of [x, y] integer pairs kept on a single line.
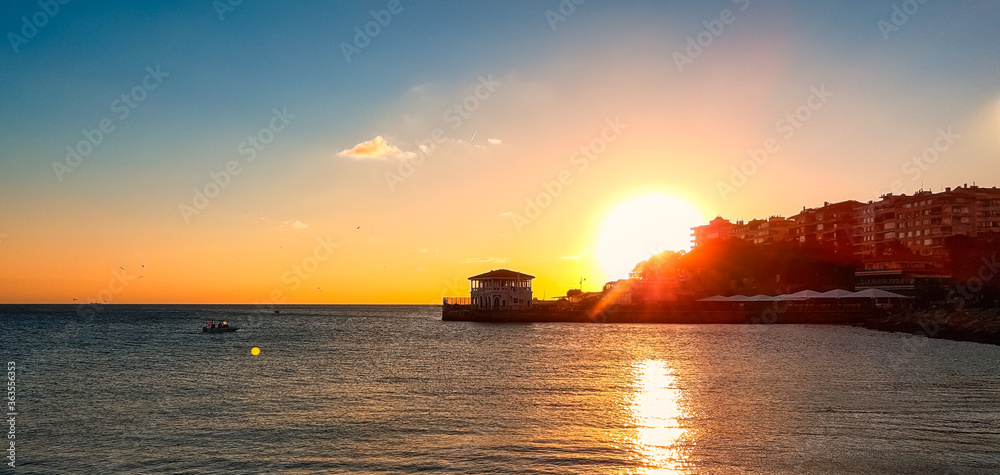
[[499, 289]]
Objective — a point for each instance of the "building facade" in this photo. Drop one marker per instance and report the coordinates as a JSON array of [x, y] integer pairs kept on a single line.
[[919, 224], [899, 239], [760, 231], [501, 289], [831, 224], [718, 228], [756, 231]]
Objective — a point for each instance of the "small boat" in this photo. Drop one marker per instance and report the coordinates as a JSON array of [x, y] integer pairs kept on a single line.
[[217, 326]]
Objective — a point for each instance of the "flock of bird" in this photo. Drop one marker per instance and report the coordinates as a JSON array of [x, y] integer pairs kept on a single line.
[[143, 266]]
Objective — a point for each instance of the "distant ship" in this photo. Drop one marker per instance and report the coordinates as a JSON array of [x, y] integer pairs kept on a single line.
[[216, 326]]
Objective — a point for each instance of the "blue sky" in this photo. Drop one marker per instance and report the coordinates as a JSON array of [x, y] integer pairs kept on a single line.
[[688, 128], [263, 54]]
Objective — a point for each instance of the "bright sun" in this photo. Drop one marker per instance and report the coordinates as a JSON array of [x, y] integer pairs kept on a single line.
[[641, 227]]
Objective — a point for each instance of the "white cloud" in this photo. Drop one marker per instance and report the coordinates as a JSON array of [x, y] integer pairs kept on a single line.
[[480, 260], [494, 141], [299, 225], [377, 148], [570, 257], [508, 213]]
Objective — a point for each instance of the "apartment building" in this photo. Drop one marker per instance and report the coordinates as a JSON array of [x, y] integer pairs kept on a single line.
[[831, 224]]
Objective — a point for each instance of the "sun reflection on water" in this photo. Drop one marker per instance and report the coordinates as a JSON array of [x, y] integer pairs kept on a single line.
[[657, 414]]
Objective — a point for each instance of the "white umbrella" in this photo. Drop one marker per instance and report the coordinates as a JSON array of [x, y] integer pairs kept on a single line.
[[837, 294], [805, 294], [761, 298], [788, 297], [715, 298], [879, 294]]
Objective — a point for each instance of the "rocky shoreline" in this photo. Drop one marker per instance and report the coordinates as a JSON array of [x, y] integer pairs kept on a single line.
[[975, 325]]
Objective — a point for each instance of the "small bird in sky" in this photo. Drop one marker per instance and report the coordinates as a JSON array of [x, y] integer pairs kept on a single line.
[[74, 300], [120, 267], [359, 227]]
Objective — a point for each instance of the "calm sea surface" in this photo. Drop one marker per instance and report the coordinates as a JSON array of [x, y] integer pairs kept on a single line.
[[393, 389]]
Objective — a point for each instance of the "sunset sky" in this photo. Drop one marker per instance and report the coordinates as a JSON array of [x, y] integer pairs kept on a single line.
[[334, 200]]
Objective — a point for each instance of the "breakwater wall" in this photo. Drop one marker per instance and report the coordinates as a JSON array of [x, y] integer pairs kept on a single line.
[[975, 325], [639, 314]]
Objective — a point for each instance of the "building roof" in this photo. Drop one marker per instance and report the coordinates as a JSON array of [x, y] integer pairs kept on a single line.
[[502, 274]]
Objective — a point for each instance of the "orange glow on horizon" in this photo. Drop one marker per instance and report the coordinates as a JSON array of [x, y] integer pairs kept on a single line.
[[449, 218]]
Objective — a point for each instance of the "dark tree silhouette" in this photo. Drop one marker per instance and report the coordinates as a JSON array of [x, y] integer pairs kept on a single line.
[[731, 266]]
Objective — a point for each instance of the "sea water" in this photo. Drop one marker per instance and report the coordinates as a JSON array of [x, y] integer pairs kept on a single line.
[[393, 389]]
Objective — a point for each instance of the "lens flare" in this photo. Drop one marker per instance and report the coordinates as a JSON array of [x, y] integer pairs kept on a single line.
[[641, 227]]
